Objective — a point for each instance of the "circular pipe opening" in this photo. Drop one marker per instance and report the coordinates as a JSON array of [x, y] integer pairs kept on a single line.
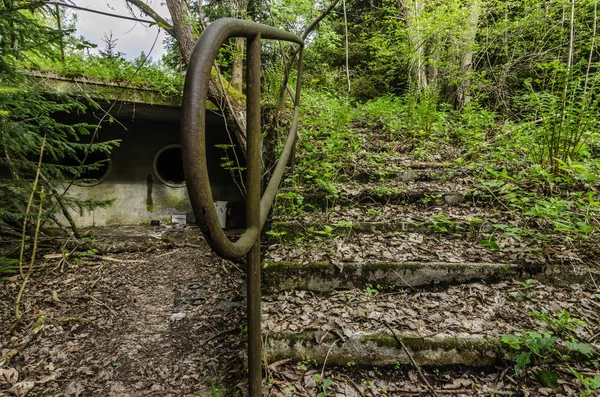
[[97, 167], [168, 166]]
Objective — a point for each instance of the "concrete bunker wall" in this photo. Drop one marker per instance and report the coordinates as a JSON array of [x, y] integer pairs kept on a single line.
[[144, 178]]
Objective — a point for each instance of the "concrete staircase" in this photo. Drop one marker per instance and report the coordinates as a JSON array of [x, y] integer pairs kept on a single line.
[[388, 266]]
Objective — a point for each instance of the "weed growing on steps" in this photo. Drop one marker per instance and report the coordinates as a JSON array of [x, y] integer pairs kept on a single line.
[[326, 141], [441, 224], [547, 202], [323, 385], [567, 204], [215, 391], [334, 133], [277, 235], [558, 342], [290, 202], [371, 290]]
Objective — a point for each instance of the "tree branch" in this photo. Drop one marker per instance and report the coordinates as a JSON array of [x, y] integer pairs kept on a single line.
[[146, 9], [5, 9], [288, 68], [314, 23]]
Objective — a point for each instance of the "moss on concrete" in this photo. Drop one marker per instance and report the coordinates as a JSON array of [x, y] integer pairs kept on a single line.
[[384, 349], [173, 200], [324, 276], [105, 91]]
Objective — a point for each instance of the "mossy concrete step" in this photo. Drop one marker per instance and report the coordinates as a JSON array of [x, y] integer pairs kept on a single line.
[[456, 324], [383, 349], [289, 231], [326, 276], [373, 174], [322, 199]]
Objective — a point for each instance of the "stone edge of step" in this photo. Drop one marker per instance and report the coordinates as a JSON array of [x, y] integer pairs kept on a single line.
[[381, 349], [323, 276]]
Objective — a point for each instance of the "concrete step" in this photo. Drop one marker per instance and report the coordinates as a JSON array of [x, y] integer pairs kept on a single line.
[[366, 171], [466, 213], [278, 276], [294, 230], [323, 276], [384, 350], [320, 199], [433, 247], [460, 324], [374, 174]]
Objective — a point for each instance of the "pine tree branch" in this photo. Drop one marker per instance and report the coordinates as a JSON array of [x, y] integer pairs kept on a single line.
[[31, 5]]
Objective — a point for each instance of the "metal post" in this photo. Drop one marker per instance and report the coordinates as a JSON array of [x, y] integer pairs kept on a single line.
[[193, 149], [253, 215]]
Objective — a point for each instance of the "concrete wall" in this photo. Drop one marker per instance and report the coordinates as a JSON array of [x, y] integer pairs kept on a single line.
[[132, 182]]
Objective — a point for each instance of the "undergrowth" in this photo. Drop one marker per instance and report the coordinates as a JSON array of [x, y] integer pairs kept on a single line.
[[117, 70], [503, 157]]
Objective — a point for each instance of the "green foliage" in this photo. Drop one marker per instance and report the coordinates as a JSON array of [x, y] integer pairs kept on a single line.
[[533, 348], [561, 121], [305, 363], [215, 391], [326, 143], [530, 345], [28, 117], [323, 385], [375, 67], [114, 69], [591, 384], [8, 266], [441, 224], [566, 204], [561, 323], [290, 202], [417, 118], [490, 243], [371, 290], [23, 35]]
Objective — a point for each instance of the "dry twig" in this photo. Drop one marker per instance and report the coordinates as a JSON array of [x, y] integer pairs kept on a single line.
[[412, 360]]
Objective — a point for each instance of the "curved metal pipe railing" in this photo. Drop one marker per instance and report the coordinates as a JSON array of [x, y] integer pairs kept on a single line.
[[193, 147], [193, 139]]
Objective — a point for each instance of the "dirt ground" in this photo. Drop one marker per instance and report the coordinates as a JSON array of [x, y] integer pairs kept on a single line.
[[150, 311], [164, 321]]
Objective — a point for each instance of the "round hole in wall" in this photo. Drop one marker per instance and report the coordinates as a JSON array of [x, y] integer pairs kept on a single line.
[[168, 166], [96, 168]]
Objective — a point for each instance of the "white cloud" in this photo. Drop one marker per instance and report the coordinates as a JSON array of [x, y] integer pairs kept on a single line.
[[133, 37]]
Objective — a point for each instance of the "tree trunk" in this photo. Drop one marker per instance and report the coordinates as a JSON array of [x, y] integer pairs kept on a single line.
[[238, 64], [466, 63], [416, 41], [237, 72], [182, 26], [231, 102]]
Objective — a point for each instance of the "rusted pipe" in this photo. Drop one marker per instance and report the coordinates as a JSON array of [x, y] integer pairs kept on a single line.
[[193, 148], [193, 140], [253, 171]]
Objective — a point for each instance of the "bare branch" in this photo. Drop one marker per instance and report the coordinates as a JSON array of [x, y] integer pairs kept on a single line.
[[147, 10], [314, 23]]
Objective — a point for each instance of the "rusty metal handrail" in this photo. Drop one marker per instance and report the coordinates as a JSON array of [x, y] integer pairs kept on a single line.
[[193, 147], [194, 121]]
